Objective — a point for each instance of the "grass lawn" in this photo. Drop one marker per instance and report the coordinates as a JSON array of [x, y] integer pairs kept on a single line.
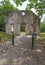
[[42, 35], [4, 37], [22, 33]]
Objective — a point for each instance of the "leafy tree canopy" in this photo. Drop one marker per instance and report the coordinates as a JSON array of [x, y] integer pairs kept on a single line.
[[42, 27], [38, 5], [5, 8], [2, 19]]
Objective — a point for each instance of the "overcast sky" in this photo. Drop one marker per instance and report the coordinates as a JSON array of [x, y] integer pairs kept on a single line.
[[24, 6], [20, 7]]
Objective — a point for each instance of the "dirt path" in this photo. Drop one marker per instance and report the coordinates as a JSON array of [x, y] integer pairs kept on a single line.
[[22, 54]]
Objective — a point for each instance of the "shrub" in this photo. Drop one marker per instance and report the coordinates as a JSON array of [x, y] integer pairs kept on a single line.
[[42, 27], [22, 28]]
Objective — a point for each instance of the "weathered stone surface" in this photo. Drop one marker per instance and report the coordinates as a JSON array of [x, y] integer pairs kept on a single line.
[[30, 19]]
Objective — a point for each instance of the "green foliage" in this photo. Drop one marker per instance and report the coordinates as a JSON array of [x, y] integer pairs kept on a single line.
[[33, 1], [2, 19], [1, 10], [42, 34], [19, 2], [5, 9], [8, 8], [42, 27], [22, 29], [39, 5], [29, 6]]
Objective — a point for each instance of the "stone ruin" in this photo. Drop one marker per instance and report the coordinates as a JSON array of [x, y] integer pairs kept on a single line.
[[23, 18]]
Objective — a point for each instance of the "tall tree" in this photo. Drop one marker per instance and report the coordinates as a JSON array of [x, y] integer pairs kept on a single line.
[[38, 5], [5, 8], [42, 26]]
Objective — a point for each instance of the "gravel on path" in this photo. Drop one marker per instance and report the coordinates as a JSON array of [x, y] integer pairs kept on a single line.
[[21, 53]]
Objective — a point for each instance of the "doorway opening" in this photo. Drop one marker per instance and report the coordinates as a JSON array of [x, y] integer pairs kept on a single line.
[[22, 28]]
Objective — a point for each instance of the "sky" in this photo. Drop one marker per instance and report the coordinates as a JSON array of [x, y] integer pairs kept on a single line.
[[43, 18], [20, 7], [24, 6]]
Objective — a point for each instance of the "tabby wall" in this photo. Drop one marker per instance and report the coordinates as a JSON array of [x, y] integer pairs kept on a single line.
[[26, 18]]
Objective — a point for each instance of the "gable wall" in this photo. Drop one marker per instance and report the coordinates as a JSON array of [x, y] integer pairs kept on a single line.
[[16, 18]]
